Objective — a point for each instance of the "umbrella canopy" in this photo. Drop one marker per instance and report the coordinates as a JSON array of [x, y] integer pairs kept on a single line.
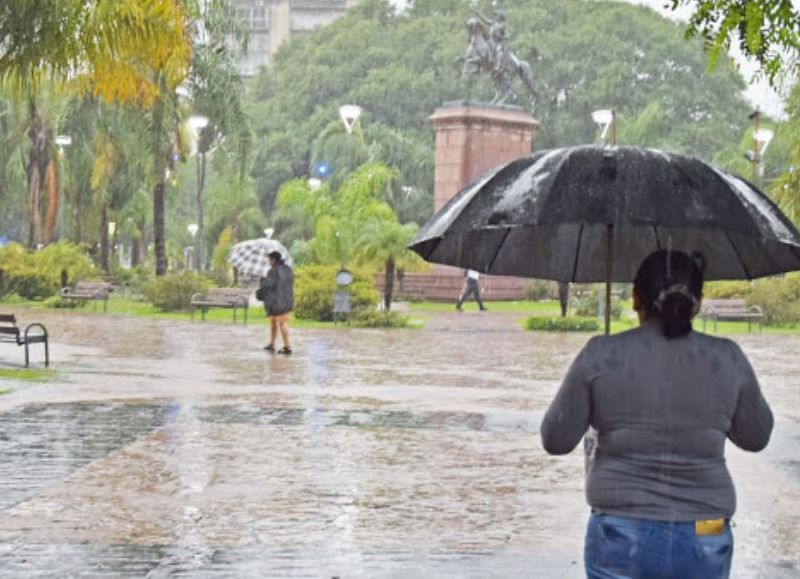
[[593, 213], [252, 257]]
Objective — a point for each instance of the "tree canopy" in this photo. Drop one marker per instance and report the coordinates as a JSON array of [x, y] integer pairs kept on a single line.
[[767, 31], [400, 67]]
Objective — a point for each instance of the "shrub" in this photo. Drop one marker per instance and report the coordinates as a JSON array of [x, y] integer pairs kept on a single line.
[[30, 284], [38, 274], [174, 291], [569, 324], [57, 302], [539, 290], [374, 319], [315, 285], [727, 290], [587, 306], [779, 297]]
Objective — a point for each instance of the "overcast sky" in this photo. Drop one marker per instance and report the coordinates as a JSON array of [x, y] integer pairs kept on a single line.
[[759, 94]]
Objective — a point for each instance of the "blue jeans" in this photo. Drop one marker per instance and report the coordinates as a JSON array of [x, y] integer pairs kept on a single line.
[[621, 547]]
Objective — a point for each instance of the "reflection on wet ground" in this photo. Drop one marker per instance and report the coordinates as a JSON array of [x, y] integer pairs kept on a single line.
[[183, 449]]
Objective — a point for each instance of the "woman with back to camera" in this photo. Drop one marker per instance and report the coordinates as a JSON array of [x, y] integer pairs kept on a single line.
[[663, 399]]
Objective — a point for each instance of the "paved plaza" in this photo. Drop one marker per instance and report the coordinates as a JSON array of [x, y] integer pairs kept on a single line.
[[182, 449]]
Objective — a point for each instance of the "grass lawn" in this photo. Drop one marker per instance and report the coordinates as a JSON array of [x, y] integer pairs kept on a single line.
[[551, 308], [27, 375], [126, 306]]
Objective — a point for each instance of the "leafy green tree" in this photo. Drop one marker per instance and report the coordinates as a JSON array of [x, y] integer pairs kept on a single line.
[[385, 242], [785, 188], [767, 31], [218, 94], [400, 66], [120, 51]]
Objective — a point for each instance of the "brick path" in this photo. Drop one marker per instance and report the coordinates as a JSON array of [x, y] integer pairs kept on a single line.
[[161, 450]]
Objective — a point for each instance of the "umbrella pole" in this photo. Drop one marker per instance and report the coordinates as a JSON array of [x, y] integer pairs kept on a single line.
[[609, 274]]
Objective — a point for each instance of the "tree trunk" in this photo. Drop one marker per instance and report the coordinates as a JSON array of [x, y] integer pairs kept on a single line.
[[389, 284], [159, 175], [158, 227], [104, 262], [201, 230], [563, 298], [36, 159], [137, 250]]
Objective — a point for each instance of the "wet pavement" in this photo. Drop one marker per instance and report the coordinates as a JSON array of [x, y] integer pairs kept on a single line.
[[182, 449]]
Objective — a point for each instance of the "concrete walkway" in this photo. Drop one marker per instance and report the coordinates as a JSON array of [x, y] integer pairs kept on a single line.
[[177, 448]]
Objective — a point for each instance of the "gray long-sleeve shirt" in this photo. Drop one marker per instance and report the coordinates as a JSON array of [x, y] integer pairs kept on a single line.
[[663, 409]]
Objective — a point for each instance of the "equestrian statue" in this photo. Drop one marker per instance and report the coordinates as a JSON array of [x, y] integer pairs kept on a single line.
[[488, 53]]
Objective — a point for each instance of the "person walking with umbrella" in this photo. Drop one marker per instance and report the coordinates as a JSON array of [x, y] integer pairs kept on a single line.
[[277, 292], [663, 400]]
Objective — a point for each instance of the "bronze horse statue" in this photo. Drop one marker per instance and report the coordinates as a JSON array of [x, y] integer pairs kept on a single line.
[[488, 53]]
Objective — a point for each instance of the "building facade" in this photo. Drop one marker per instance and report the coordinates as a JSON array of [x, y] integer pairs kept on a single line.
[[270, 23]]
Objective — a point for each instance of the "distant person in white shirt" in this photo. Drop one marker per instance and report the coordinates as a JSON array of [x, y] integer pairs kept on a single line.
[[471, 288]]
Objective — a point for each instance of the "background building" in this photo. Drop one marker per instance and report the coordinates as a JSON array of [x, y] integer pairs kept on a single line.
[[272, 22]]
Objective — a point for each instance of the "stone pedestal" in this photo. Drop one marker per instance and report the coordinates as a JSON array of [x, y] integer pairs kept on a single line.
[[471, 140]]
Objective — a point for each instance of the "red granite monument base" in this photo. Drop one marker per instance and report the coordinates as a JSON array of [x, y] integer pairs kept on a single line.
[[471, 140]]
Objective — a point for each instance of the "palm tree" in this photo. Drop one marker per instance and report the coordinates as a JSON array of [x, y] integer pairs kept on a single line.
[[385, 242], [127, 51], [218, 94]]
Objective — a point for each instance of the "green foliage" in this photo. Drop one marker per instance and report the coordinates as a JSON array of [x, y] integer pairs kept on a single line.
[[400, 67], [372, 318], [595, 301], [59, 303], [727, 290], [570, 324], [351, 223], [38, 274], [539, 290], [767, 31], [174, 291], [31, 285], [315, 285], [779, 297]]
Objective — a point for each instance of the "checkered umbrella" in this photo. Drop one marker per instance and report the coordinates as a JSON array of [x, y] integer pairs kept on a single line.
[[252, 257]]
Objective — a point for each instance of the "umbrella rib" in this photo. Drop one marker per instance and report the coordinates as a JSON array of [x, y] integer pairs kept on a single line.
[[577, 254], [497, 252], [658, 240], [738, 255]]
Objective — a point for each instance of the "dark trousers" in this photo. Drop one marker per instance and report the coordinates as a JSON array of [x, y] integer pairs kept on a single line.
[[472, 289]]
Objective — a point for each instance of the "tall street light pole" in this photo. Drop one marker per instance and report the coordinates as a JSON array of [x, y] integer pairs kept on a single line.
[[198, 123], [607, 118]]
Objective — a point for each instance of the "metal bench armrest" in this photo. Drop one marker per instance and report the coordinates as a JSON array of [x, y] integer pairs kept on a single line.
[[30, 327]]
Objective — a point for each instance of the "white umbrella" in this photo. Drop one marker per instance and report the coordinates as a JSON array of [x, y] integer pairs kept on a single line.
[[252, 257]]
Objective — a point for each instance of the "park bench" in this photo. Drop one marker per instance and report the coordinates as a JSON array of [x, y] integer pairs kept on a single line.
[[88, 291], [716, 310], [222, 297], [10, 333]]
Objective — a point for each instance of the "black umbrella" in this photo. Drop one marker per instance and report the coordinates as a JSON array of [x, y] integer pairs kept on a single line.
[[593, 213]]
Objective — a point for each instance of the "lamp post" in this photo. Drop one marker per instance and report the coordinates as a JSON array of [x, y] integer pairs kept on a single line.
[[762, 137], [350, 115], [198, 123], [192, 228], [606, 118], [62, 141]]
